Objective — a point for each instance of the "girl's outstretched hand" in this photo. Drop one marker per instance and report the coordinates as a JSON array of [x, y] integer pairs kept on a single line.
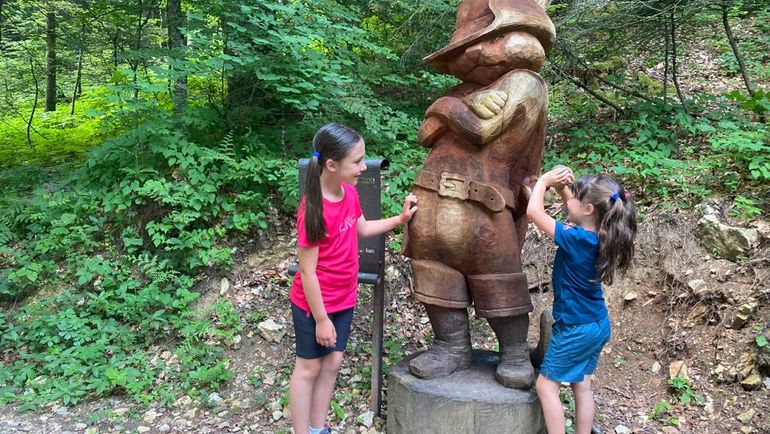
[[409, 208], [559, 177]]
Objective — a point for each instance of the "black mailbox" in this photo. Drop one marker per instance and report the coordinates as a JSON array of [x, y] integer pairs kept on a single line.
[[371, 252]]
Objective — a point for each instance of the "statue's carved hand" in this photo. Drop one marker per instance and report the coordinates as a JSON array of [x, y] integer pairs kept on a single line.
[[431, 128], [487, 104]]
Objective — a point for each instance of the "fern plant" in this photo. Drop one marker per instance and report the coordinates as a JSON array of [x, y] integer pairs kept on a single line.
[[6, 233]]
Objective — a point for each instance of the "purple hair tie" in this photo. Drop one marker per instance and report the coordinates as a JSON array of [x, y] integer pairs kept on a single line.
[[317, 154], [627, 195]]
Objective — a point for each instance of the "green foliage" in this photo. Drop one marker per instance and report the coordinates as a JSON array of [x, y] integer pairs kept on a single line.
[[683, 389], [660, 409], [618, 361], [394, 350], [55, 136], [760, 339], [752, 45], [676, 157], [121, 243], [684, 394], [339, 413], [745, 209], [759, 103], [254, 317], [566, 398], [321, 50], [746, 145], [255, 379], [227, 320], [668, 153]]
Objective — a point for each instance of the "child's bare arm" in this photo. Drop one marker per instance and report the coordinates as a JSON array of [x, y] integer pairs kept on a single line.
[[370, 228], [536, 209]]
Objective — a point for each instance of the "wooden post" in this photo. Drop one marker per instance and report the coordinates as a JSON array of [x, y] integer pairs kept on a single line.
[[378, 329]]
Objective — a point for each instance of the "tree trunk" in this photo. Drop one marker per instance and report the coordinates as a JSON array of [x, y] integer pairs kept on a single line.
[[241, 85], [665, 74], [736, 51], [50, 72], [34, 104], [76, 88], [115, 51], [138, 61], [674, 76], [176, 46]]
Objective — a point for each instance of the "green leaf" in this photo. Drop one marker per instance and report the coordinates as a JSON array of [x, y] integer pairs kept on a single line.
[[761, 341], [339, 413]]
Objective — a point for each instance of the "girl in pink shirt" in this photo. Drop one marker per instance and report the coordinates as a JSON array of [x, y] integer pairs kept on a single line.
[[323, 293]]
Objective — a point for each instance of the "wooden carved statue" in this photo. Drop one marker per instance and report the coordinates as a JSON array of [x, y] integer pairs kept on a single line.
[[485, 136]]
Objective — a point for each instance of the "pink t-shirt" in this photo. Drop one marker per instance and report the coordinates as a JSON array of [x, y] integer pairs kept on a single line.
[[337, 267]]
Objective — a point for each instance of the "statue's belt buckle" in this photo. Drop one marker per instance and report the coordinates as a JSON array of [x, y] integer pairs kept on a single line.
[[453, 185]]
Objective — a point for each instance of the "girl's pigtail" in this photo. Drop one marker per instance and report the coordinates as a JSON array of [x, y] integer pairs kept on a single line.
[[617, 231], [314, 219]]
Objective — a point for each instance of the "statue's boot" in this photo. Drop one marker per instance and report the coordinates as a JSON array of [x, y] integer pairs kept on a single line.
[[451, 349], [537, 354], [514, 371]]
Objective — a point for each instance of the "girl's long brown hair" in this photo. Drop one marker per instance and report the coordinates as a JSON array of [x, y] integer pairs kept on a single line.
[[615, 217], [332, 142]]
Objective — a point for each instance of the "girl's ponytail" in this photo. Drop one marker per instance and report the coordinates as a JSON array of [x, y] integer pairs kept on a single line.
[[314, 219], [617, 231], [331, 142]]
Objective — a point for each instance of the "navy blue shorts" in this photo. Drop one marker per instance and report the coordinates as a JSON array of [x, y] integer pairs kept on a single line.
[[574, 351], [304, 332]]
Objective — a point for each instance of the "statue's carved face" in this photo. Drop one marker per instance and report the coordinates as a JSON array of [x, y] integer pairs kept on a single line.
[[489, 59]]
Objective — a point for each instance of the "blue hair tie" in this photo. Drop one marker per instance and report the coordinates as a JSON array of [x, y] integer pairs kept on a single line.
[[317, 154], [614, 197]]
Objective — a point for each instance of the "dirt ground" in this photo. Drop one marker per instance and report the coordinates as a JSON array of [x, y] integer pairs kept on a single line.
[[658, 319]]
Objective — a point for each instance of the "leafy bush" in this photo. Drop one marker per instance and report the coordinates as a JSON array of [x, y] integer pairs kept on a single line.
[[54, 136], [674, 157], [683, 389], [119, 245]]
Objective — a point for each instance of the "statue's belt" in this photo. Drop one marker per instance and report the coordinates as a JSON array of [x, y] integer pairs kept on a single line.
[[448, 184]]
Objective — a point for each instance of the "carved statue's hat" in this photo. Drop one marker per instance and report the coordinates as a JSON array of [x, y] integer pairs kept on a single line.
[[484, 19]]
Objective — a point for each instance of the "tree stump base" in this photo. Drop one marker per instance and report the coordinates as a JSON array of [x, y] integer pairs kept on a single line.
[[469, 401]]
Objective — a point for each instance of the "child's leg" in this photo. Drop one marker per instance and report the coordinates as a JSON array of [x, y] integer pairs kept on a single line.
[[548, 392], [324, 388], [584, 406], [301, 390]]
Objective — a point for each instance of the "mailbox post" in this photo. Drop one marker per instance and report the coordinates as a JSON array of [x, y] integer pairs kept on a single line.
[[371, 253]]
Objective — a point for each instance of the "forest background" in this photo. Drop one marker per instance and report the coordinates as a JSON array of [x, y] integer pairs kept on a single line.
[[142, 141]]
